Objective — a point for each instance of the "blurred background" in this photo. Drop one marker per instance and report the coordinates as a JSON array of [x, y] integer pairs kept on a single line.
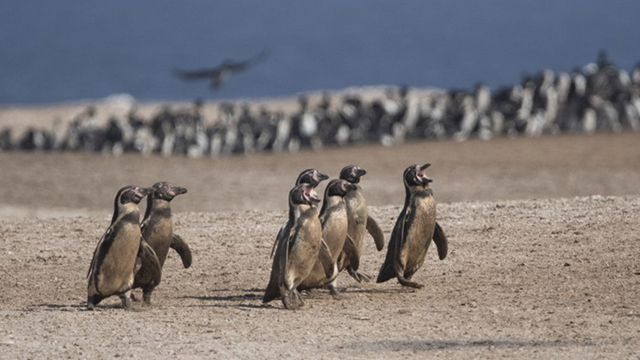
[[55, 51], [83, 78]]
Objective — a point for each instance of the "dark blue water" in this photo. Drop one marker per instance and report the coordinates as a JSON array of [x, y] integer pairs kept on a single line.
[[63, 50]]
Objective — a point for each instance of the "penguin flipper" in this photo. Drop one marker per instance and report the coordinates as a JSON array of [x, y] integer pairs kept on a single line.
[[283, 253], [440, 239], [182, 249], [274, 288], [387, 270], [284, 231], [95, 252], [152, 269], [326, 259], [350, 250], [374, 229]]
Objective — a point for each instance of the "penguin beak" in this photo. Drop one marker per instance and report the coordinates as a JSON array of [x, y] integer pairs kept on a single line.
[[312, 196], [424, 179], [351, 187], [322, 176], [360, 172], [177, 190], [142, 192]]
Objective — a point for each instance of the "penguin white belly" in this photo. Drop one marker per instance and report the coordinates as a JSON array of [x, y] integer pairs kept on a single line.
[[116, 273], [419, 235], [304, 252], [357, 213], [160, 239]]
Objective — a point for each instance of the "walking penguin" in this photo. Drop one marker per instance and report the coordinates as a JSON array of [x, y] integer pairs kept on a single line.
[[359, 224], [415, 227], [113, 264], [335, 226], [296, 254], [157, 230]]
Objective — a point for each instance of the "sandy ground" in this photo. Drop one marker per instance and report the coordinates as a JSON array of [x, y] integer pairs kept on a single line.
[[543, 258]]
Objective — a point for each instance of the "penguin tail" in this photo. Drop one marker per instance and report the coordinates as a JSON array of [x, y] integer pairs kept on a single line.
[[386, 273], [271, 293]]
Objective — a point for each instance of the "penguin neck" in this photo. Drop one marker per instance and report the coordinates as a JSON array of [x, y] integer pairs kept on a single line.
[[330, 201], [128, 212], [157, 207], [417, 191], [299, 210]]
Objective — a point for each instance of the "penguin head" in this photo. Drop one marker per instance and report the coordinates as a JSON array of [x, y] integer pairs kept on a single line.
[[131, 194], [127, 200], [352, 173], [312, 177], [166, 191], [414, 176], [303, 194], [339, 187]]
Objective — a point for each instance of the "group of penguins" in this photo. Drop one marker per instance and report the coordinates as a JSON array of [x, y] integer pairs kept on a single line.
[[311, 249], [596, 97]]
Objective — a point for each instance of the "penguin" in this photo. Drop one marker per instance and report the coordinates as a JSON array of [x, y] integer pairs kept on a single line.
[[310, 176], [335, 226], [415, 228], [113, 264], [359, 223], [157, 230], [296, 254]]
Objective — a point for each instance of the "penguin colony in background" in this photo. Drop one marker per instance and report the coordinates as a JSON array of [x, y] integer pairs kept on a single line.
[[596, 98], [313, 246]]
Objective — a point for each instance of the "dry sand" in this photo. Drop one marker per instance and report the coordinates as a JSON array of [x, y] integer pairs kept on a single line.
[[543, 263]]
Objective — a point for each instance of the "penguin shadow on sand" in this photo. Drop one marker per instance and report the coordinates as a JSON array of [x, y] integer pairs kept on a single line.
[[230, 298], [81, 306]]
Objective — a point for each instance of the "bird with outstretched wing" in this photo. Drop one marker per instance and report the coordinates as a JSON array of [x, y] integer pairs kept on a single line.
[[220, 73]]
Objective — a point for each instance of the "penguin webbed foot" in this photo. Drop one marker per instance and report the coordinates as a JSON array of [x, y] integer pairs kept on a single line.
[[146, 298], [287, 300], [359, 277], [335, 293], [407, 283], [126, 301], [298, 297]]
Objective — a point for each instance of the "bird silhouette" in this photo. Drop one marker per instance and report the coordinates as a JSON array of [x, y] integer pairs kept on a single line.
[[220, 73]]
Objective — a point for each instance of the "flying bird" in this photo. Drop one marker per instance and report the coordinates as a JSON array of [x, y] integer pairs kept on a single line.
[[220, 73]]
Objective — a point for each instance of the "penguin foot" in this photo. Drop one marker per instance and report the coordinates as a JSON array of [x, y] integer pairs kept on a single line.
[[146, 298], [90, 306], [335, 293], [298, 297], [411, 284], [126, 300], [286, 300], [359, 276]]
